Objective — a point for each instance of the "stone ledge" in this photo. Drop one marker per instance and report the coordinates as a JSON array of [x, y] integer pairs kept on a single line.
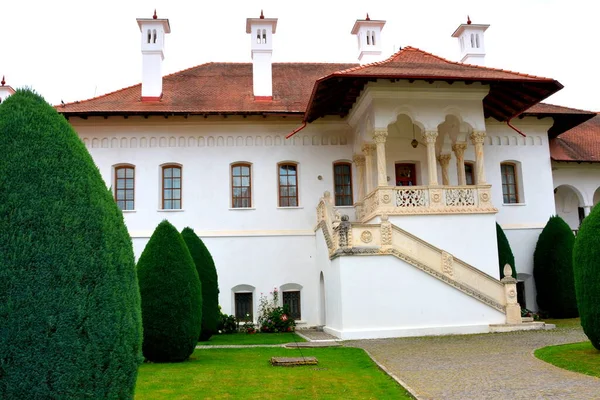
[[526, 326]]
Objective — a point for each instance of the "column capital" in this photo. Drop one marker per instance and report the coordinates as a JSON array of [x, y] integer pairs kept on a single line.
[[359, 160], [380, 135], [459, 148], [367, 149], [430, 136], [444, 159], [477, 137]]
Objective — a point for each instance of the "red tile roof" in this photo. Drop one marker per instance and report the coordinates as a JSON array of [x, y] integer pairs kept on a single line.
[[580, 144], [510, 92], [214, 88]]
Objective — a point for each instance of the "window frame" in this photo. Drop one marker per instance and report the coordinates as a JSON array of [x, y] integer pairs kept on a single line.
[[297, 317], [116, 169], [162, 186], [251, 308], [517, 194], [335, 186], [232, 187], [279, 186]]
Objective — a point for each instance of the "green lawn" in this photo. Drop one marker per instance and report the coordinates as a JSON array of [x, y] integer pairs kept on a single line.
[[256, 338], [567, 323], [577, 357], [342, 373]]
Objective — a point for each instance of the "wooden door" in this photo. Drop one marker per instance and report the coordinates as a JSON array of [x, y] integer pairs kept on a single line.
[[406, 175]]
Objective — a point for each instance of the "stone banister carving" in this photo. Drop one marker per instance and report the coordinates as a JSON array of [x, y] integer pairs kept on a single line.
[[513, 309]]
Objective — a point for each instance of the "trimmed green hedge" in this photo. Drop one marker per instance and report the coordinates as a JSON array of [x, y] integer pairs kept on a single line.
[[171, 297], [553, 270], [205, 266], [70, 324], [505, 254], [586, 268]]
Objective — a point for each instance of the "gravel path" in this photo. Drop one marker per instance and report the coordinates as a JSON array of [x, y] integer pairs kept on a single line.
[[491, 366]]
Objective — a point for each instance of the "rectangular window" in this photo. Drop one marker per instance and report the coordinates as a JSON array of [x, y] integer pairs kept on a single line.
[[469, 173], [125, 187], [243, 306], [241, 186], [292, 301], [171, 186], [509, 183], [343, 184], [288, 185]]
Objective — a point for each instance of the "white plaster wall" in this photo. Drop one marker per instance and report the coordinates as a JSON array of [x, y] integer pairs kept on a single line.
[[469, 237], [583, 178], [567, 201], [331, 275], [385, 297]]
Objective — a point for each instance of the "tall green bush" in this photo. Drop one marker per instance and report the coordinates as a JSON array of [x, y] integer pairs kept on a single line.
[[70, 323], [205, 266], [505, 254], [553, 270], [171, 297], [586, 268]]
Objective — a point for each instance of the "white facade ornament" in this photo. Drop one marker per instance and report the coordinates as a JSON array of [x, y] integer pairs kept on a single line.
[[411, 198], [366, 237], [460, 197], [447, 263]]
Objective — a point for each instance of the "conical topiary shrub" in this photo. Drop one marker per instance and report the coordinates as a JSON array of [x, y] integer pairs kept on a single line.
[[209, 280], [505, 254], [586, 269], [171, 297], [553, 270], [70, 323]]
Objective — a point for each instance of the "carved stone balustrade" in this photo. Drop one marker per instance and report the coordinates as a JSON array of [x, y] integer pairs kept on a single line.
[[414, 200]]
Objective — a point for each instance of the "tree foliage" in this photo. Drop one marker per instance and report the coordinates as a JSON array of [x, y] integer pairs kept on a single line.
[[553, 270], [70, 324], [171, 297], [505, 254], [207, 273], [586, 268]]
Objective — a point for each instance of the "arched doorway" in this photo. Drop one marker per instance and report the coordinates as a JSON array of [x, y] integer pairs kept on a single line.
[[323, 311], [569, 205]]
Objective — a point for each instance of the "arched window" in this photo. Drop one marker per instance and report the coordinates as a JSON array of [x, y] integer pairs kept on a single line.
[[510, 183], [288, 184], [171, 187], [125, 187], [258, 36], [154, 36], [241, 185], [477, 40], [243, 302], [264, 36], [368, 38], [342, 183], [291, 299], [472, 40], [149, 36], [373, 38]]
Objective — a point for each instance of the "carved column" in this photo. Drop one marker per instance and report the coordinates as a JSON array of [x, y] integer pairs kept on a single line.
[[380, 136], [430, 137], [368, 151], [359, 161], [477, 139], [444, 160], [513, 309], [459, 152]]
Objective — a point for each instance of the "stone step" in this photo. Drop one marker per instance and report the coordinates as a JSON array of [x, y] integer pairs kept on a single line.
[[527, 319], [526, 326]]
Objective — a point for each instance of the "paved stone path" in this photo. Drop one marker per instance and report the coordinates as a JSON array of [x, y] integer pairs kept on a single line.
[[314, 335], [491, 366]]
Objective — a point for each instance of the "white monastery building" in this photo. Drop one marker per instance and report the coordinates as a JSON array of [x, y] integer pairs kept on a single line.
[[367, 193]]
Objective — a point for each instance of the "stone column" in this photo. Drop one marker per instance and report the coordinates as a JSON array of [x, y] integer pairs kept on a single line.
[[444, 160], [459, 152], [477, 139], [513, 309], [368, 151], [380, 136], [430, 137], [359, 161]]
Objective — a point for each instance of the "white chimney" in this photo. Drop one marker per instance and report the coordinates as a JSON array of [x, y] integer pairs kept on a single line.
[[5, 91], [470, 40], [368, 33], [261, 32], [153, 32]]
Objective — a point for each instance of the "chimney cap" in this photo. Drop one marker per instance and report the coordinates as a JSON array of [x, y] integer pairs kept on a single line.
[[261, 20], [461, 28], [155, 20], [367, 22]]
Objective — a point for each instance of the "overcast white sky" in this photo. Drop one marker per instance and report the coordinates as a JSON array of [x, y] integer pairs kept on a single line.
[[75, 49]]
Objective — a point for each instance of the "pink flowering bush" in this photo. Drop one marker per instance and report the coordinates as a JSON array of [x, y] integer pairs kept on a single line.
[[272, 317]]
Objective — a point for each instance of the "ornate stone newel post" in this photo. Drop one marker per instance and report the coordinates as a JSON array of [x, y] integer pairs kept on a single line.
[[477, 139], [459, 151], [359, 161], [430, 137], [380, 136], [444, 160], [368, 151], [513, 309]]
